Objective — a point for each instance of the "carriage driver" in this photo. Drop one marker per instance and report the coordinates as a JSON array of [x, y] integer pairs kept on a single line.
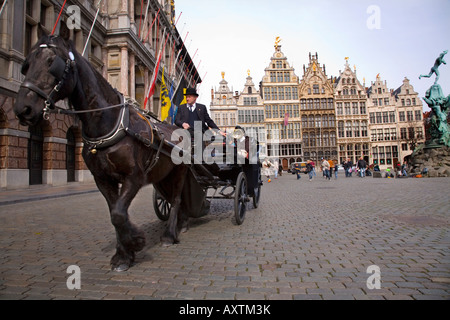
[[192, 111]]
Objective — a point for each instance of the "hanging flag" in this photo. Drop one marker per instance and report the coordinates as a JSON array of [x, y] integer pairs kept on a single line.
[[178, 98], [165, 99], [286, 119], [152, 87]]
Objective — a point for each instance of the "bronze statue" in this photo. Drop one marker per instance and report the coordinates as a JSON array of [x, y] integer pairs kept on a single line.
[[440, 60], [440, 106]]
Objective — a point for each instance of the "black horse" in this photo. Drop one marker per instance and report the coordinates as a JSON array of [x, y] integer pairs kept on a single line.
[[122, 148]]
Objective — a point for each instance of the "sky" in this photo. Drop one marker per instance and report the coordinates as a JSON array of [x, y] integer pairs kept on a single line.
[[393, 38]]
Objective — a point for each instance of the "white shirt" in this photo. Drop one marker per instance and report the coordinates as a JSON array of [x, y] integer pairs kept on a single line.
[[191, 107]]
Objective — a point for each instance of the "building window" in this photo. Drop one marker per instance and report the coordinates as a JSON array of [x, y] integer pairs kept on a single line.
[[372, 117], [418, 115], [274, 93], [410, 115], [303, 104], [348, 129], [316, 89], [347, 108], [287, 77], [379, 118], [391, 116], [356, 129], [401, 115], [411, 133], [341, 129], [304, 122], [281, 93], [364, 129], [339, 109], [380, 134], [403, 133], [393, 134], [362, 107]]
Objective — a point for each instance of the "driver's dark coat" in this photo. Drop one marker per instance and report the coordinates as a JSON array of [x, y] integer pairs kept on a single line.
[[183, 116]]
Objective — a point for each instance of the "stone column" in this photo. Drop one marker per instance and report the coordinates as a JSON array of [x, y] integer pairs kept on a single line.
[[124, 70], [132, 81]]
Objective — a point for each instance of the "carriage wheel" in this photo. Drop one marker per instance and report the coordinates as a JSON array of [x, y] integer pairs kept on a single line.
[[161, 206], [240, 198], [257, 192]]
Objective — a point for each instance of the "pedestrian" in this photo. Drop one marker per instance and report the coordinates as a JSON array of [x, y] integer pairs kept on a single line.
[[349, 164], [335, 171], [280, 170], [313, 164], [309, 169], [404, 168], [297, 170], [275, 169], [331, 162], [326, 168], [267, 169], [362, 167]]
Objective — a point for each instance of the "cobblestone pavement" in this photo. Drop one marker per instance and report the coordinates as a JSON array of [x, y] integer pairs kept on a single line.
[[307, 240]]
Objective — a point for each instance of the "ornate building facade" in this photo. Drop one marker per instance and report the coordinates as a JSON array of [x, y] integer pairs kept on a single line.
[[338, 119], [223, 106], [251, 114], [279, 88], [383, 127], [410, 118], [352, 119], [316, 93], [124, 47]]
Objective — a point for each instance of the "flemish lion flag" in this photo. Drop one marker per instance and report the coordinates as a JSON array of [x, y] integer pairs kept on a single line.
[[165, 99]]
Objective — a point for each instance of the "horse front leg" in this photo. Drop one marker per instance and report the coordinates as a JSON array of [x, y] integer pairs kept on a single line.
[[129, 238], [170, 235]]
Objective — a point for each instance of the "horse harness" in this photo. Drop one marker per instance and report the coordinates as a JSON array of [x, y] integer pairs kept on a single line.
[[60, 69]]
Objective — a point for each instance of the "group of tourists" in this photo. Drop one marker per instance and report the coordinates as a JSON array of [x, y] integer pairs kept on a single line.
[[329, 167]]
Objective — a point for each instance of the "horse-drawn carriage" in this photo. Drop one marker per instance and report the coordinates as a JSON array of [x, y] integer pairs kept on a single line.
[[238, 180], [126, 149]]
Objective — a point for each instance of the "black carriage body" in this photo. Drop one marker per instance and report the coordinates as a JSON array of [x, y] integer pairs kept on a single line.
[[244, 177]]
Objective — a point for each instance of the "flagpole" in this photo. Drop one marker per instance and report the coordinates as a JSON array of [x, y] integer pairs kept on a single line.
[[3, 6], [92, 27], [149, 29]]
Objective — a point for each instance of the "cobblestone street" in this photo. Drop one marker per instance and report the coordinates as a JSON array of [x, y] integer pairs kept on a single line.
[[306, 240]]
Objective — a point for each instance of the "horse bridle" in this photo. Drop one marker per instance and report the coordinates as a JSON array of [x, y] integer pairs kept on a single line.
[[59, 69]]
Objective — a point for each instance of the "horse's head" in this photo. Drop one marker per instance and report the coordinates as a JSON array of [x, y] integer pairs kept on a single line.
[[49, 77]]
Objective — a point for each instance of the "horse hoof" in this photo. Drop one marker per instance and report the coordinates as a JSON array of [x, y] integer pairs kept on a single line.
[[166, 244], [184, 229], [121, 268]]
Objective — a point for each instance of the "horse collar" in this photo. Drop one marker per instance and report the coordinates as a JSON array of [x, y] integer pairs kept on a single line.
[[117, 134]]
